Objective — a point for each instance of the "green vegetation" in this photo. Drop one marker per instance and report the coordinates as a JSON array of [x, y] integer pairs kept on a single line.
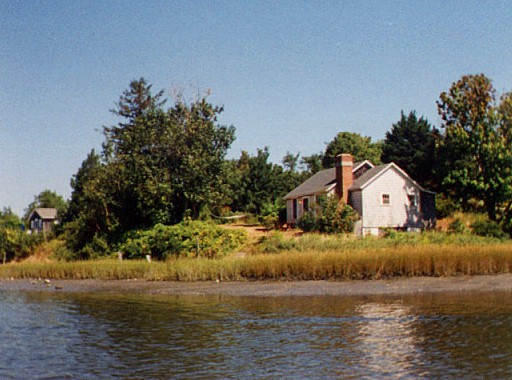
[[160, 166], [475, 155], [411, 145], [187, 239], [329, 216], [15, 243], [311, 257], [361, 147]]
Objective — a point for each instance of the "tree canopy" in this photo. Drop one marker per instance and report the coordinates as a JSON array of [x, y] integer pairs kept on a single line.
[[411, 145], [475, 150], [157, 165], [360, 147]]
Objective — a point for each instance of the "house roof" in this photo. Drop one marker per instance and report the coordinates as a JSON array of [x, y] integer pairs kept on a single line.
[[44, 213], [321, 181], [317, 183], [376, 172]]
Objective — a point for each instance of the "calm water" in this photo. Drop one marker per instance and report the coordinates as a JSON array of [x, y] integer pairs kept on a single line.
[[90, 336]]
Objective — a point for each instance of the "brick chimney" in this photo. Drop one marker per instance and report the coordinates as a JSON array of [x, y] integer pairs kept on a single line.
[[344, 177]]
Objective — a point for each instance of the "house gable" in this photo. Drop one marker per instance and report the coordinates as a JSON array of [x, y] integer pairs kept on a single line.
[[389, 198]]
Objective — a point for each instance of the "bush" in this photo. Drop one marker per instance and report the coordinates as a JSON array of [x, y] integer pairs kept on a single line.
[[271, 214], [16, 244], [457, 227], [189, 238], [330, 216], [276, 242], [308, 222], [487, 228]]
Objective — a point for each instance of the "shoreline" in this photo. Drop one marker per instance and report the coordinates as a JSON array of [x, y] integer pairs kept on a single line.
[[393, 286]]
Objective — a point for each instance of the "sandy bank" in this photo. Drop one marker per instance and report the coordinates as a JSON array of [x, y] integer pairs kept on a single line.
[[275, 288]]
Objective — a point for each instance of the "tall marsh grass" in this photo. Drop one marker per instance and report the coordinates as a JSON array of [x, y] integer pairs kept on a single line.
[[299, 263]]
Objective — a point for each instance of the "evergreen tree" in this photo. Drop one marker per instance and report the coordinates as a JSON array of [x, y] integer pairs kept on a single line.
[[411, 145]]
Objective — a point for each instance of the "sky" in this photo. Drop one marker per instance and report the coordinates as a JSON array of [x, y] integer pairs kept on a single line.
[[290, 74]]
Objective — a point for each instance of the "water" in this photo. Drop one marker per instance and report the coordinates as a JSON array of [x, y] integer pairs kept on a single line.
[[95, 336]]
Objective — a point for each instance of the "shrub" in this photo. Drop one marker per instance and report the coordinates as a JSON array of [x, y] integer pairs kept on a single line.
[[271, 214], [330, 216], [276, 242], [189, 238], [487, 228], [457, 227], [308, 222]]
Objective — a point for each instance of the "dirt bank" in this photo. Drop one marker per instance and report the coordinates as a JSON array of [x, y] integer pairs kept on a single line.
[[276, 288]]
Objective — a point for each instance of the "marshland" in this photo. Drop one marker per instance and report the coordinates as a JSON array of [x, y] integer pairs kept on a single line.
[[284, 256]]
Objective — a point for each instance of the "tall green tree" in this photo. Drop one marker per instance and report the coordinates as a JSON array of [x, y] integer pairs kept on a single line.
[[90, 213], [203, 144], [259, 182], [411, 145], [360, 147], [475, 149], [157, 165]]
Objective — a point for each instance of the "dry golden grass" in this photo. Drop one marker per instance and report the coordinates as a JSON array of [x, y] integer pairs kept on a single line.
[[333, 264]]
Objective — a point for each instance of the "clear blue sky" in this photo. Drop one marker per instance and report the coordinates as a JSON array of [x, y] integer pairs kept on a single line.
[[290, 74]]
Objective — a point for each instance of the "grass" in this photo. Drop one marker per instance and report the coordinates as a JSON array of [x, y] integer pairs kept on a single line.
[[311, 257]]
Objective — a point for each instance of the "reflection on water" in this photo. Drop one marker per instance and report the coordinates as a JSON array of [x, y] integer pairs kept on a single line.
[[93, 336], [388, 341]]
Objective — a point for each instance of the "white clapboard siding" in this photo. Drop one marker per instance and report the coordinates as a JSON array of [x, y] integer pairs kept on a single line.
[[400, 212]]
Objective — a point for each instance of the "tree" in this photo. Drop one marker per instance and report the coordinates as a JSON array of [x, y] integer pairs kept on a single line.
[[475, 149], [360, 147], [90, 213], [203, 144], [313, 163], [259, 183], [157, 166], [411, 145], [137, 101], [290, 161], [47, 199]]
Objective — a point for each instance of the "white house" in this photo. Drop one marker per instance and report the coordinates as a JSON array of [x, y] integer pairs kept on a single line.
[[384, 196]]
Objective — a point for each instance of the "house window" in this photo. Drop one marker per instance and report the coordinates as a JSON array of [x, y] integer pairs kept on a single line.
[[295, 209], [412, 200], [305, 204], [386, 199]]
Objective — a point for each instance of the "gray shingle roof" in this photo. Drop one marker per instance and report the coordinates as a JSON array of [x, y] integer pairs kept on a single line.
[[45, 213], [315, 184], [320, 181]]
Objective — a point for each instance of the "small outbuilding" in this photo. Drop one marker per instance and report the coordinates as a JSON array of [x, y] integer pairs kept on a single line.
[[43, 220]]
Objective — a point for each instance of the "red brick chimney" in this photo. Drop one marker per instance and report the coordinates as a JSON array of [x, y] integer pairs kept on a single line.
[[344, 177]]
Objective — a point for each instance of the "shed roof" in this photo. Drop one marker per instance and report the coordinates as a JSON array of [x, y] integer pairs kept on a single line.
[[44, 213]]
